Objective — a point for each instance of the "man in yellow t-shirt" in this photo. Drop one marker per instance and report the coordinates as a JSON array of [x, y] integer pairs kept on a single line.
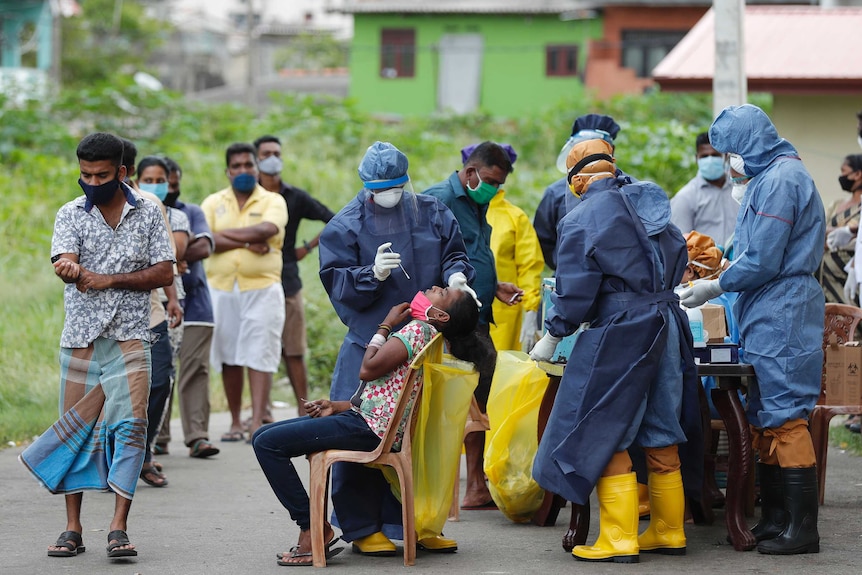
[[244, 275]]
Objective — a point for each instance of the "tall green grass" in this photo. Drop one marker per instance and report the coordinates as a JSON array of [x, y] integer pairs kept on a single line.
[[323, 140]]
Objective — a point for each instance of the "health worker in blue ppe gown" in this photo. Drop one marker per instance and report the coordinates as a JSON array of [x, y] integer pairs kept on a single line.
[[778, 246], [630, 379], [382, 248], [557, 201]]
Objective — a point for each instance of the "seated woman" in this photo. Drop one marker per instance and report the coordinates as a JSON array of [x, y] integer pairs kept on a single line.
[[359, 424]]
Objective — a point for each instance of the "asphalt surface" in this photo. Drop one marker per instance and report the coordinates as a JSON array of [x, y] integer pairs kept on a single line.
[[219, 516]]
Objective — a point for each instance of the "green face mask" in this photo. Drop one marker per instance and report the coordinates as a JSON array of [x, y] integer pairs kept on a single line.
[[483, 193]]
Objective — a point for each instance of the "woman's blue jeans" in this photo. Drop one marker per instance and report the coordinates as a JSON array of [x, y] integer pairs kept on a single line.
[[277, 443]]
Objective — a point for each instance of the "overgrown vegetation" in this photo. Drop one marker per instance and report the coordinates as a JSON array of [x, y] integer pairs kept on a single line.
[[324, 139]]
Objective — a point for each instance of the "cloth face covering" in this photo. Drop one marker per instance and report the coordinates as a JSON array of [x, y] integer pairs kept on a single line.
[[100, 194], [271, 165], [244, 183], [420, 306]]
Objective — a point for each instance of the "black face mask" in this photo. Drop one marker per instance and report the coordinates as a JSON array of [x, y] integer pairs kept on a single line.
[[171, 199], [101, 194], [846, 183]]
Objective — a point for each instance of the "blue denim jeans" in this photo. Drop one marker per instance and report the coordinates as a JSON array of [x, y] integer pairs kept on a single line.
[[277, 443], [160, 384]]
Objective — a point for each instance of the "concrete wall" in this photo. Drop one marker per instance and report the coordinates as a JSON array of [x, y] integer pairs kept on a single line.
[[823, 129], [513, 65]]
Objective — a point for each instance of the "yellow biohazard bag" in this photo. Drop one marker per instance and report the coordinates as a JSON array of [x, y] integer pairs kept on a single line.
[[437, 438], [511, 443]]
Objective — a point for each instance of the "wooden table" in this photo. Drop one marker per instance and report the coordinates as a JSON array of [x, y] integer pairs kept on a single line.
[[730, 379]]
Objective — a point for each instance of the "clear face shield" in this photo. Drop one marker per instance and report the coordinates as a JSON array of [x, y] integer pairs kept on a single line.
[[576, 139], [390, 210]]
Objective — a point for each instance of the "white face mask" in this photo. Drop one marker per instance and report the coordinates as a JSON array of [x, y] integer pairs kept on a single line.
[[271, 165], [388, 198], [738, 192], [859, 140]]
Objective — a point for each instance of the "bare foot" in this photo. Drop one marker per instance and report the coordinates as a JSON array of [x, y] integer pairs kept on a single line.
[[301, 553], [479, 497]]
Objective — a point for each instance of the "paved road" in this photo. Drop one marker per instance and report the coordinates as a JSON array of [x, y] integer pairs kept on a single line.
[[218, 516]]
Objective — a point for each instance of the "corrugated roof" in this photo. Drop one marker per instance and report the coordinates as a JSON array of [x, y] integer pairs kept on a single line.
[[511, 6], [466, 6], [787, 48]]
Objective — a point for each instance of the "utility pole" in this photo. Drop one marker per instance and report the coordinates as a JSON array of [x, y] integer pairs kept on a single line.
[[250, 95], [56, 43], [729, 83]]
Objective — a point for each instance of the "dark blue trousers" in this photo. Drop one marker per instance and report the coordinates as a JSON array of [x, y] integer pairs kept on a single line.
[[277, 443]]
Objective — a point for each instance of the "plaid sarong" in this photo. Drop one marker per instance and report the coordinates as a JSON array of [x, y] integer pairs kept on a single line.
[[99, 441]]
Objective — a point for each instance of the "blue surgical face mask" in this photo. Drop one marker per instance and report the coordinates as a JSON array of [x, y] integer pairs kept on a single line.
[[711, 168], [160, 190], [244, 183]]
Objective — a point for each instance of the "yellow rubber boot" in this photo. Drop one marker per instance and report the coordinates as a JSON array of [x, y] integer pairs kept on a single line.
[[643, 500], [665, 533], [618, 522], [376, 544]]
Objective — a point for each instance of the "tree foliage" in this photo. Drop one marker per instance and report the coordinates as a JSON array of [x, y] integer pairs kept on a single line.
[[98, 45]]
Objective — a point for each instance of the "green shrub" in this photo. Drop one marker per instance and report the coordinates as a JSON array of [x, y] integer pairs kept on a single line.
[[323, 139]]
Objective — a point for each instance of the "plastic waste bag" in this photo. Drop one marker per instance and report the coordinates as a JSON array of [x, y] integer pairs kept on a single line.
[[513, 413], [437, 439]]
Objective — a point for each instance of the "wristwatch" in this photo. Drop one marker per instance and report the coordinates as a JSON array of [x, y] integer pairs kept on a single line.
[[307, 246]]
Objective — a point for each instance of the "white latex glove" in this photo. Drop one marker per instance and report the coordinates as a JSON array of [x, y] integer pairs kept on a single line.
[[543, 350], [528, 330], [839, 237], [851, 288], [385, 261], [459, 281], [700, 293]]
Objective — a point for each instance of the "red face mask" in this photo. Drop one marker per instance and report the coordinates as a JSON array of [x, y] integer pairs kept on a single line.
[[420, 306]]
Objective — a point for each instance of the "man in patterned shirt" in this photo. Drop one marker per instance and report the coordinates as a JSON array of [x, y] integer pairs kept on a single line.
[[111, 248]]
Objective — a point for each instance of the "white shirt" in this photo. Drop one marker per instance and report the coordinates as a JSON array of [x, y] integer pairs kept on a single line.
[[705, 208]]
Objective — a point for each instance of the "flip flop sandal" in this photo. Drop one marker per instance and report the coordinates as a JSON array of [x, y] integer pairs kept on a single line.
[[233, 436], [119, 539], [71, 542], [160, 448], [147, 474], [293, 549], [202, 448]]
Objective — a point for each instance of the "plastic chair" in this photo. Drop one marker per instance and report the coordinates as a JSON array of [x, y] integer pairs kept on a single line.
[[401, 461], [476, 421], [840, 323]]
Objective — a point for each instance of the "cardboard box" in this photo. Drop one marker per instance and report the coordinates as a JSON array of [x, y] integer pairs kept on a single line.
[[714, 322], [844, 374]]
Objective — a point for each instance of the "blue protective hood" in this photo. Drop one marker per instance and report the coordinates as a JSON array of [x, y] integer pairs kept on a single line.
[[747, 130], [650, 203]]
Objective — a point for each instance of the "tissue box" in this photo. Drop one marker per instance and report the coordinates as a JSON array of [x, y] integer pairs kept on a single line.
[[843, 374], [715, 323]]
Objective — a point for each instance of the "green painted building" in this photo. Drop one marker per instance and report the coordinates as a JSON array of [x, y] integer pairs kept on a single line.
[[504, 58]]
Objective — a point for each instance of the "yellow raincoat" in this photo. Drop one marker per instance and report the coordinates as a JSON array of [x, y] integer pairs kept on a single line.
[[519, 260]]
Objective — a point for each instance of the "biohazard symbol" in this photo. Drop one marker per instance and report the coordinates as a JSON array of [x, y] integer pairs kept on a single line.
[[852, 369]]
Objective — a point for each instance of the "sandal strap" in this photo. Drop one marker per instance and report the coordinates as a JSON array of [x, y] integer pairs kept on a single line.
[[69, 536], [119, 536]]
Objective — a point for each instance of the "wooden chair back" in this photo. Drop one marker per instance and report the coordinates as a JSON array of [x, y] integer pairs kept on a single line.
[[840, 323], [401, 461]]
